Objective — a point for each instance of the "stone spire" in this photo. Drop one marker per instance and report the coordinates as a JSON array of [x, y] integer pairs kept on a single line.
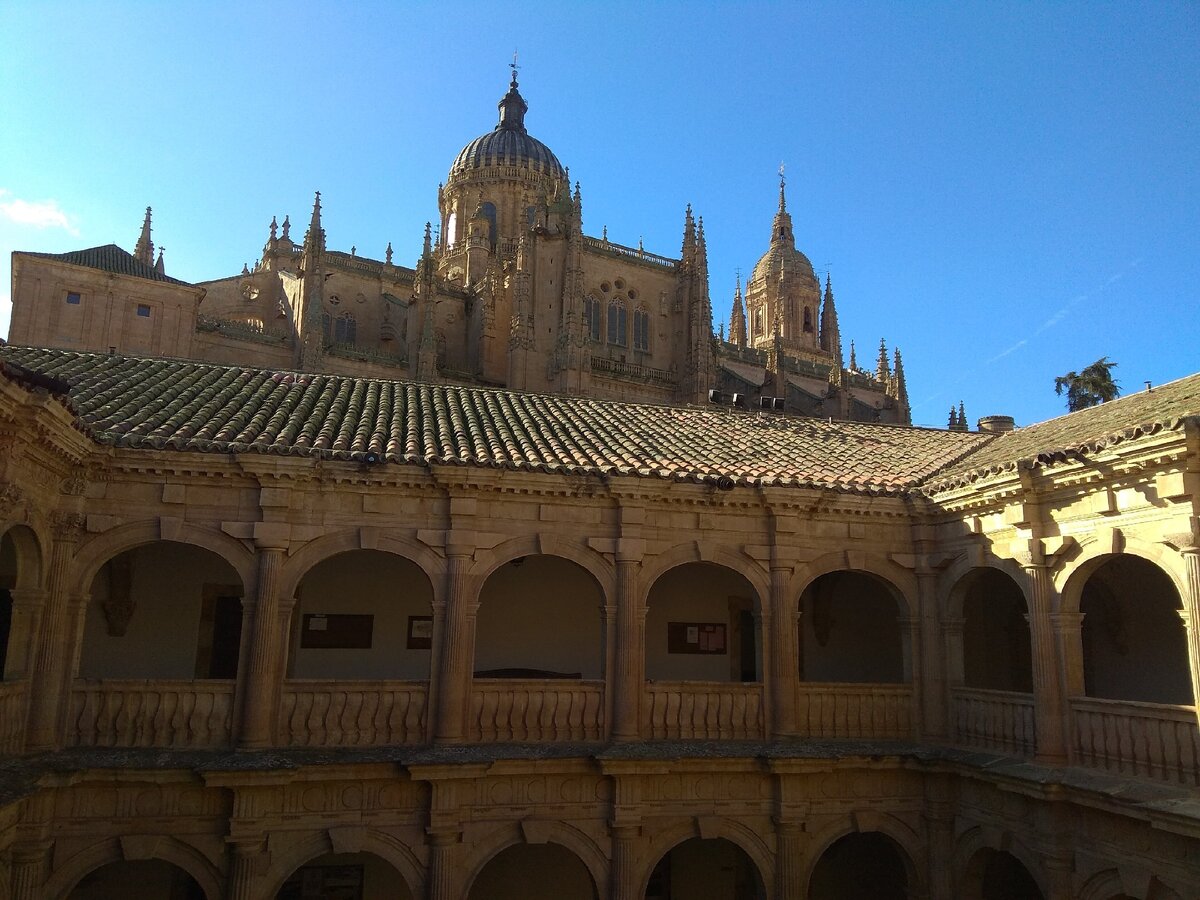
[[962, 417], [689, 234], [901, 389], [143, 252], [158, 264], [287, 229], [952, 424], [781, 228], [312, 292], [883, 370], [274, 230], [387, 254], [737, 318], [853, 359], [831, 336]]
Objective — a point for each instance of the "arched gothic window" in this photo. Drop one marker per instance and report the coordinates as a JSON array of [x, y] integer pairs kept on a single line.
[[591, 318], [808, 323], [345, 329], [326, 327], [641, 330], [489, 213], [618, 324]]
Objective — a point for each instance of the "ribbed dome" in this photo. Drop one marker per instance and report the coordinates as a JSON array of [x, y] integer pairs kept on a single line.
[[509, 144], [791, 261]]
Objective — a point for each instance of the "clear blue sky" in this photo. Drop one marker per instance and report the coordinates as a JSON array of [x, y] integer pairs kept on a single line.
[[1005, 190]]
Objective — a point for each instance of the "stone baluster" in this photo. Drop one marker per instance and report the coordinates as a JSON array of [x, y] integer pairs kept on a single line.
[[264, 667], [458, 649], [627, 680], [1048, 706], [50, 694], [785, 670]]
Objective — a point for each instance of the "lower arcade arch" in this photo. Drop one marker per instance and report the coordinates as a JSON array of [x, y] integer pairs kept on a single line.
[[705, 869], [156, 879], [998, 875], [1133, 641], [850, 630], [702, 625], [354, 876], [546, 871], [20, 569], [862, 864], [540, 616]]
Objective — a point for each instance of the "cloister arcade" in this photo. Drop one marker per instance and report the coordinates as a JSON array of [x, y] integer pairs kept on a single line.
[[165, 644]]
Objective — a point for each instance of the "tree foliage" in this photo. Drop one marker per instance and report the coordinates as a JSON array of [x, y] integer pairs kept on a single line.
[[1091, 387]]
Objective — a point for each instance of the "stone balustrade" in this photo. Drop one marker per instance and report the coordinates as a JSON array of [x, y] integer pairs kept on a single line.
[[703, 710], [860, 711], [317, 713], [12, 716], [505, 709], [993, 720], [1139, 739], [140, 713]]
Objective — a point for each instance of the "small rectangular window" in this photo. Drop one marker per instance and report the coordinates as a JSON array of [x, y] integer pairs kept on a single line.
[[73, 298], [143, 310]]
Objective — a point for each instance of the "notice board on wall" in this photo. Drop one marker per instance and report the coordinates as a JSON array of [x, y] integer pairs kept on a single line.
[[336, 631], [697, 637]]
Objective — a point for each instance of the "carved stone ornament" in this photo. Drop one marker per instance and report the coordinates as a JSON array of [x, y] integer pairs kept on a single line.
[[74, 484], [117, 613], [68, 526], [11, 497]]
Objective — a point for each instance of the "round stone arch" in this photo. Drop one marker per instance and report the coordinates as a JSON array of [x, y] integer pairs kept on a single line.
[[742, 836], [533, 832], [864, 821], [488, 561], [975, 839], [96, 552], [30, 557], [1109, 883], [900, 582], [706, 552], [311, 845], [952, 584], [1093, 554], [328, 546], [134, 848]]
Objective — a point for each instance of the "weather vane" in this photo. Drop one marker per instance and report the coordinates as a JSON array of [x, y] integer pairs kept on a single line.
[[513, 65]]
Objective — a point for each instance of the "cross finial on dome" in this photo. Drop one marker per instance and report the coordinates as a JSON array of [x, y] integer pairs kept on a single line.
[[782, 182], [513, 65], [513, 106]]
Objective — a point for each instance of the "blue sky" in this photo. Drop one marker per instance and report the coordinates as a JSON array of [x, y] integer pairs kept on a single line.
[[1006, 191]]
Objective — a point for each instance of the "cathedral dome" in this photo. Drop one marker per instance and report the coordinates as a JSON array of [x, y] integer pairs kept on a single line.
[[786, 262], [508, 144]]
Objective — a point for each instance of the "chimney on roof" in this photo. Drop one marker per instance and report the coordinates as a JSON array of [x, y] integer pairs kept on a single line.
[[996, 424]]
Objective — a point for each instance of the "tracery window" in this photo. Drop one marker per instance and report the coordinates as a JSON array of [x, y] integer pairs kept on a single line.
[[326, 327], [489, 213], [591, 318], [345, 329], [641, 330], [808, 323], [618, 324]]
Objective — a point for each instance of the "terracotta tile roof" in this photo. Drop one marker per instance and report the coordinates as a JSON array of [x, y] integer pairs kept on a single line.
[[1081, 433], [179, 405], [109, 258]]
